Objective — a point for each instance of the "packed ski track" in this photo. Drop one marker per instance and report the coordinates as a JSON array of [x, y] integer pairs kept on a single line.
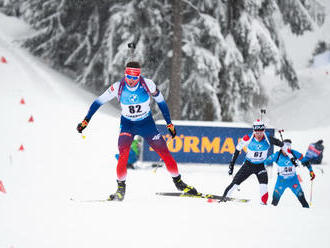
[[56, 165]]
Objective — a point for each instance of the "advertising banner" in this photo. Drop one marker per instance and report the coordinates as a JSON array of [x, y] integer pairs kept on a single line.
[[202, 144]]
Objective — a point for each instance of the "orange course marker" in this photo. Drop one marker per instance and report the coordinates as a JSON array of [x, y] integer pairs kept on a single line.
[[21, 148], [2, 188]]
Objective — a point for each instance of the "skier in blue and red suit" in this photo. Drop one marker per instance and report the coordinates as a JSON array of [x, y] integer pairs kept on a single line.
[[133, 93], [287, 176]]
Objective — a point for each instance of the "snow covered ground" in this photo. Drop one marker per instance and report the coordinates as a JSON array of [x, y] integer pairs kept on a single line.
[[58, 164]]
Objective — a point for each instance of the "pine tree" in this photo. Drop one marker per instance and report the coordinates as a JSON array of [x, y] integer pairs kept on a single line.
[[302, 15]]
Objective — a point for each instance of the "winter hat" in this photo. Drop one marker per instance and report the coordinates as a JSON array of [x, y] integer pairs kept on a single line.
[[258, 125]]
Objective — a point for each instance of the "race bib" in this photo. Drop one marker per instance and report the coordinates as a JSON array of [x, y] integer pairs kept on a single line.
[[256, 156], [287, 171], [137, 111]]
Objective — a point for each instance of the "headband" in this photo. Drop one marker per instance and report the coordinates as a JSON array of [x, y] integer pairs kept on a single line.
[[133, 71]]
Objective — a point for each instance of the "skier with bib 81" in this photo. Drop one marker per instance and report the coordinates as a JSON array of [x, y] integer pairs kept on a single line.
[[257, 144], [133, 93]]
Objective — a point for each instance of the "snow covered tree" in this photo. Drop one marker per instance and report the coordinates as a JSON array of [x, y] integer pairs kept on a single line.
[[10, 7], [226, 46], [301, 15], [203, 45], [68, 36]]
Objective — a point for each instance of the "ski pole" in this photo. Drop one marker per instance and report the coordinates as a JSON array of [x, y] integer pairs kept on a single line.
[[311, 194], [281, 131]]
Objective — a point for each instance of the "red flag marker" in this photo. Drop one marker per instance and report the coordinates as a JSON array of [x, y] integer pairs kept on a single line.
[[21, 148], [2, 188], [3, 60], [22, 101], [31, 119]]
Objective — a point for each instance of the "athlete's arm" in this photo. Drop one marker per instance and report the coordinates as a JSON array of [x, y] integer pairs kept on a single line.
[[271, 158], [274, 141], [235, 156], [243, 142], [107, 96], [159, 98], [304, 161]]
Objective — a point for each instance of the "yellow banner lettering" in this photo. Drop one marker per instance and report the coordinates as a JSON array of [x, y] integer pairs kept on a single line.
[[228, 146], [175, 145], [191, 143], [208, 146]]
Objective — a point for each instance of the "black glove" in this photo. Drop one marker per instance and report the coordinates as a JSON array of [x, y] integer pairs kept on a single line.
[[294, 162], [231, 168], [81, 126], [171, 129]]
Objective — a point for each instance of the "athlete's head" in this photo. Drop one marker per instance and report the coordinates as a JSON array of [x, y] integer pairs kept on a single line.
[[132, 73], [286, 146], [258, 129]]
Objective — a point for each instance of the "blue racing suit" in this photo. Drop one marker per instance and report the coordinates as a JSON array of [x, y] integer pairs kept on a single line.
[[287, 176]]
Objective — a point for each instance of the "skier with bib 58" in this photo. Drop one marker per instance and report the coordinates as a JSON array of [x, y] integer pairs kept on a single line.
[[287, 176]]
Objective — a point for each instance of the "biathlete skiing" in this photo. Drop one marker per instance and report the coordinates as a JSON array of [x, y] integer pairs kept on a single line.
[[287, 176], [133, 93]]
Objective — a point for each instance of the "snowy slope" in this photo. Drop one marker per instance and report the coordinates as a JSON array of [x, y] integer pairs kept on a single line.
[[58, 164]]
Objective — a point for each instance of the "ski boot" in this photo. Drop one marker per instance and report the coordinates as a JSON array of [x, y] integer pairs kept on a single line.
[[120, 193], [180, 185]]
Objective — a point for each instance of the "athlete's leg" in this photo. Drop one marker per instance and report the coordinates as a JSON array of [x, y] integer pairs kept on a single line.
[[243, 173], [150, 133], [159, 145], [297, 190], [263, 181], [147, 129], [278, 190], [124, 144]]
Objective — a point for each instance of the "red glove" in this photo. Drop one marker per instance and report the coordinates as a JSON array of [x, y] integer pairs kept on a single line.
[[171, 129], [81, 126], [312, 175]]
